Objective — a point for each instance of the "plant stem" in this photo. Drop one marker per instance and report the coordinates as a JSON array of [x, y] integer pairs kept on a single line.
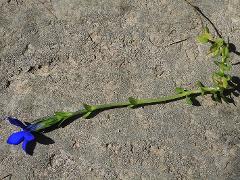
[[148, 101]]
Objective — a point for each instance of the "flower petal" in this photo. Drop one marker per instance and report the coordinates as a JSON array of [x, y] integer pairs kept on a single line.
[[28, 139], [16, 138], [16, 122], [25, 146], [28, 136]]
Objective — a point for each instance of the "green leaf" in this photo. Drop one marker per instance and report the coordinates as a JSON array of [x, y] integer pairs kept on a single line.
[[219, 42], [199, 84], [204, 38], [225, 67], [219, 74], [206, 30], [87, 115], [224, 82], [89, 108], [225, 52], [216, 53], [49, 121], [63, 115], [189, 101], [133, 101], [221, 79], [214, 50], [179, 90], [202, 91]]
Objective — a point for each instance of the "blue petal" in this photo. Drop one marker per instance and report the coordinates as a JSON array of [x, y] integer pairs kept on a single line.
[[16, 122], [16, 138], [25, 146], [28, 138]]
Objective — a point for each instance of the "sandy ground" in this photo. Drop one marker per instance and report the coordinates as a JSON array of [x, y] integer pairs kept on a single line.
[[56, 54]]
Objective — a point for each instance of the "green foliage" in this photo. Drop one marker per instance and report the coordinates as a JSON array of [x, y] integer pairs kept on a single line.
[[88, 107], [225, 52], [133, 102], [62, 115], [205, 37], [219, 50], [47, 122], [179, 90], [221, 80], [87, 114], [189, 100], [216, 47], [199, 84], [88, 110]]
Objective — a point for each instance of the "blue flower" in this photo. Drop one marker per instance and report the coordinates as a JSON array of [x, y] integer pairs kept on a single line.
[[26, 135], [32, 132]]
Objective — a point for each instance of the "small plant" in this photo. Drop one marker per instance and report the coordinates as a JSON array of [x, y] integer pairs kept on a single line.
[[222, 83]]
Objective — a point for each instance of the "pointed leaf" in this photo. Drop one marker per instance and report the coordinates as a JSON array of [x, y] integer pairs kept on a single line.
[[219, 42], [87, 115], [179, 90], [206, 30], [224, 83], [225, 52], [133, 101], [214, 50], [131, 106], [204, 38], [199, 84], [202, 91], [89, 108], [189, 101], [63, 115], [225, 67]]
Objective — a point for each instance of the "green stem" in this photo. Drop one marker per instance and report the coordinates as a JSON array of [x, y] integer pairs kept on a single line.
[[88, 110], [148, 101]]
